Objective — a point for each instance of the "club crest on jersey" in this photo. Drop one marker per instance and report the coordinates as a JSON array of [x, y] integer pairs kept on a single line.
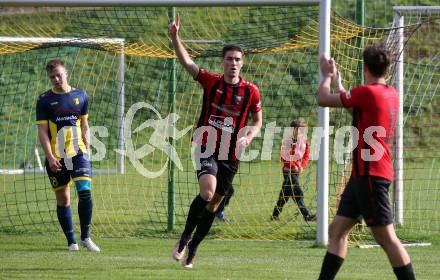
[[76, 101], [238, 98]]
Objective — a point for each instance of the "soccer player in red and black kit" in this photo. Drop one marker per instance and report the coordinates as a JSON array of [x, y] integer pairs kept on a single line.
[[374, 108], [228, 100]]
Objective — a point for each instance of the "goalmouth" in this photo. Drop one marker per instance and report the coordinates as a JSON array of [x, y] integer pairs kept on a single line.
[[116, 44], [324, 48], [399, 23]]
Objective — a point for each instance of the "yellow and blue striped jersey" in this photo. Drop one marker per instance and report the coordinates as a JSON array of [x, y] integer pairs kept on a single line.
[[63, 113]]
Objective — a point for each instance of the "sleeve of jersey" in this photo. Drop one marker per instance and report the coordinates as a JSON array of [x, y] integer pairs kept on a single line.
[[256, 100], [305, 159], [85, 107], [353, 98], [204, 77], [42, 117]]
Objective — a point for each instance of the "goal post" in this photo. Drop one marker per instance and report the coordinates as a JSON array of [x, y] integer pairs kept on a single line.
[[399, 23], [322, 178]]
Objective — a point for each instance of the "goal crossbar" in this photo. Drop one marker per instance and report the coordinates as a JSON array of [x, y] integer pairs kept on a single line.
[[125, 3], [406, 10]]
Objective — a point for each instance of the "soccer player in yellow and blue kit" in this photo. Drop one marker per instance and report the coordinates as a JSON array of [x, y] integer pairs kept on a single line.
[[63, 131]]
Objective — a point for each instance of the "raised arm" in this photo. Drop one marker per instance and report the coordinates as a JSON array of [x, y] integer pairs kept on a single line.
[[182, 54], [329, 72], [337, 85]]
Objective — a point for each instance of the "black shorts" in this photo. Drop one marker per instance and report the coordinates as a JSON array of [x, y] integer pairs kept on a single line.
[[223, 170], [367, 197], [79, 170]]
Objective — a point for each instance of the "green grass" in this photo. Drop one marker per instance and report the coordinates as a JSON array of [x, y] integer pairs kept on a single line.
[[46, 257]]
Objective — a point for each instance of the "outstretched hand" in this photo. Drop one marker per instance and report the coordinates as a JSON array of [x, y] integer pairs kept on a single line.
[[173, 27], [328, 66], [243, 142]]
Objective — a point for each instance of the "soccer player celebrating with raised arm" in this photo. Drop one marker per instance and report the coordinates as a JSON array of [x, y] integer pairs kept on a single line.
[[374, 108], [63, 131], [227, 102]]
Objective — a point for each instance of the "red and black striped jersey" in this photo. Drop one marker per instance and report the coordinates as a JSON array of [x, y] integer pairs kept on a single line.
[[375, 108], [225, 108]]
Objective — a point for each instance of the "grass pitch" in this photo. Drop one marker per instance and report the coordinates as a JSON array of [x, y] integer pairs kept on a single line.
[[46, 257]]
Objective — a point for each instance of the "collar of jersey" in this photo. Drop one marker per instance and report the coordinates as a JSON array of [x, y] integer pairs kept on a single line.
[[56, 92], [233, 85]]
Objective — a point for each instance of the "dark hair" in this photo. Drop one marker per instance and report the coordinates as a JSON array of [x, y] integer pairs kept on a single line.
[[52, 64], [232, 47], [299, 122], [376, 59]]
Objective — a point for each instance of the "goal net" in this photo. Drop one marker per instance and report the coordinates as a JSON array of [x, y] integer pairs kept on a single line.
[[142, 195]]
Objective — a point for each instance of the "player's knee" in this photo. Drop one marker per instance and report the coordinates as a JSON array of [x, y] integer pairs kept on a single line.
[[385, 239], [63, 197], [297, 191], [63, 202], [331, 232], [83, 189], [334, 233], [207, 195]]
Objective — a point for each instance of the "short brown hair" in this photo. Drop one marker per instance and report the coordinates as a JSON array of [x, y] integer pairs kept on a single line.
[[299, 122], [377, 59], [232, 47], [52, 64]]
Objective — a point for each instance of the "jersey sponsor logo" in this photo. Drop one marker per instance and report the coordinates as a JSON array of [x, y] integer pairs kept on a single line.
[[223, 123], [206, 163], [66, 118], [54, 103]]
